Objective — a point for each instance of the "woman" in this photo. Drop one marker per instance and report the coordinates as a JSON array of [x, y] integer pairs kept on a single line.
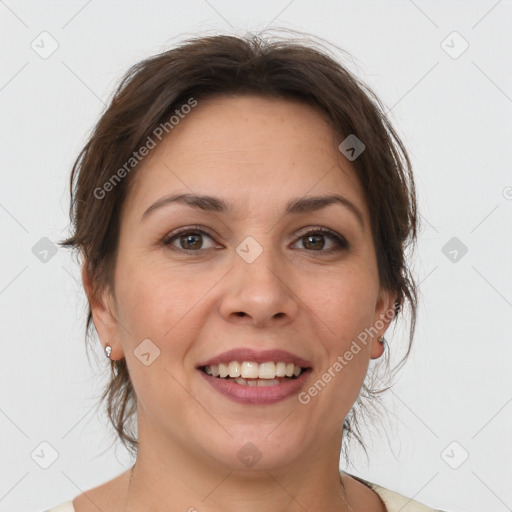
[[242, 209]]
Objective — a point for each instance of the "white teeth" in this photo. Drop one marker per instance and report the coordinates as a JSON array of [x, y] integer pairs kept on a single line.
[[252, 370], [280, 369], [234, 369], [268, 371], [223, 370], [256, 382], [263, 382]]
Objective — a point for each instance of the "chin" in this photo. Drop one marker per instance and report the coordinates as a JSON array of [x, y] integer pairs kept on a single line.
[[254, 448]]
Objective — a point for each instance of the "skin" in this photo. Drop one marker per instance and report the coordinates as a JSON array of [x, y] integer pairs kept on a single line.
[[256, 154]]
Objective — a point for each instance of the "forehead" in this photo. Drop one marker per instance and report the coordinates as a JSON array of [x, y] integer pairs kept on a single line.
[[248, 149]]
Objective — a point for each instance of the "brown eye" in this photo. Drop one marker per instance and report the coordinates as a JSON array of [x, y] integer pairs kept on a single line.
[[322, 240], [315, 242], [189, 240]]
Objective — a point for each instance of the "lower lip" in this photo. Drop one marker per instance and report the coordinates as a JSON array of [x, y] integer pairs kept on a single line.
[[254, 395]]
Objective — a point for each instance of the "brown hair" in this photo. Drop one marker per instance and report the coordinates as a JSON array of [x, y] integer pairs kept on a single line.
[[149, 94]]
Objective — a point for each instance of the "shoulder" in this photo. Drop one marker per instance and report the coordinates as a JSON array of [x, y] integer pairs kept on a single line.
[[106, 496], [67, 506], [396, 502]]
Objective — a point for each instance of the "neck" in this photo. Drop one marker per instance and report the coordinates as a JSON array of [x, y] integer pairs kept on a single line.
[[175, 479]]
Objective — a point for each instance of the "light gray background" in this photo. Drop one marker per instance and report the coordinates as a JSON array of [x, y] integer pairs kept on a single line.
[[454, 115]]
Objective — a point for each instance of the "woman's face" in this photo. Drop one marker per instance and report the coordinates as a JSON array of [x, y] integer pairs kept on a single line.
[[247, 268]]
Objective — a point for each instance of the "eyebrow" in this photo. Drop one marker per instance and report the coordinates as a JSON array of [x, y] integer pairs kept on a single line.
[[295, 206]]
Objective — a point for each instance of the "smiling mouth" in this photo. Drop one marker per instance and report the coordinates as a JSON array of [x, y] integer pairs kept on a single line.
[[252, 374]]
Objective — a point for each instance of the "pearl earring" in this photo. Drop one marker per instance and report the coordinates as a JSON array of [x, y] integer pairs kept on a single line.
[[108, 350]]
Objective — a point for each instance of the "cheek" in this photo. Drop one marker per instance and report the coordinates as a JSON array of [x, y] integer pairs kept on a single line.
[[341, 317], [153, 296], [342, 310], [344, 304], [153, 306]]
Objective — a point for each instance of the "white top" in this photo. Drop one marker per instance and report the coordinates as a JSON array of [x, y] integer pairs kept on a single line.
[[393, 501]]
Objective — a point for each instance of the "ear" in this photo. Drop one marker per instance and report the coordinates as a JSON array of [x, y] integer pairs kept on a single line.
[[103, 314], [384, 313]]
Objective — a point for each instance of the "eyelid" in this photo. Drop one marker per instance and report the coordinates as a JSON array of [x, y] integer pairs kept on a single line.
[[168, 238], [321, 229], [340, 240]]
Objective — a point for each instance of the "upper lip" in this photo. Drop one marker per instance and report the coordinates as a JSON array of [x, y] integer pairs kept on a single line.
[[257, 356]]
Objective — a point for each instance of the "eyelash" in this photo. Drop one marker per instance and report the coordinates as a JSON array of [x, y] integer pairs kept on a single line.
[[341, 243]]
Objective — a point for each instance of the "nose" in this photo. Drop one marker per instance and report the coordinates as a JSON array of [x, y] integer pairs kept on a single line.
[[259, 293]]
